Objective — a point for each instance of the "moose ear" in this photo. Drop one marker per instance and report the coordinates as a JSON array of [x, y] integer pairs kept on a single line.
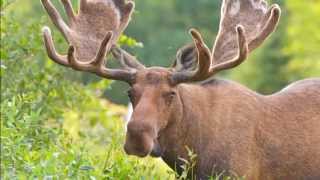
[[186, 58]]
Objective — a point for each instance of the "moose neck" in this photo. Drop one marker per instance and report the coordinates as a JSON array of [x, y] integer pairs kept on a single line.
[[209, 112]]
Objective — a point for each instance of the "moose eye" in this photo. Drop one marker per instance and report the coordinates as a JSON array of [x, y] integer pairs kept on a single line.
[[169, 96], [172, 94]]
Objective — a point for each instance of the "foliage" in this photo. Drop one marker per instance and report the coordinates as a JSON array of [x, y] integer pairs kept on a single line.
[[52, 126], [188, 165], [303, 41]]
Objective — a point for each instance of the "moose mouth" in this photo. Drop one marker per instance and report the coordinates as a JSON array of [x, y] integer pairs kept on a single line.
[[140, 151]]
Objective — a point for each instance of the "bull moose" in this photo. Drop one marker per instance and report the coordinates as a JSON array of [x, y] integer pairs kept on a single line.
[[229, 127]]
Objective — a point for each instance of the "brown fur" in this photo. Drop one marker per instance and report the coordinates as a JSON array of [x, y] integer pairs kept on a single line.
[[228, 126]]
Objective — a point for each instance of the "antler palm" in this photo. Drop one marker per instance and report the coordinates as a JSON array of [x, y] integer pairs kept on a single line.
[[90, 33]]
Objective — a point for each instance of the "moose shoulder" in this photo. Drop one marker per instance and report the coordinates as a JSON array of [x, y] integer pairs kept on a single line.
[[231, 128]]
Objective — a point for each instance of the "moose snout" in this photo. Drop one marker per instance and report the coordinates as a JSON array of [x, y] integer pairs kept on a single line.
[[139, 139]]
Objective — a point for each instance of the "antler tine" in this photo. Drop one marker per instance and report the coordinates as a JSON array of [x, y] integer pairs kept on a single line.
[[93, 65], [56, 18], [274, 13], [114, 74], [204, 61], [104, 48], [126, 59], [51, 50], [243, 51], [69, 10], [97, 65], [204, 55], [128, 10], [204, 69], [123, 63], [70, 59]]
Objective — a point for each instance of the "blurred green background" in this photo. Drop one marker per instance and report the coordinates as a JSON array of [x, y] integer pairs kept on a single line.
[[58, 123]]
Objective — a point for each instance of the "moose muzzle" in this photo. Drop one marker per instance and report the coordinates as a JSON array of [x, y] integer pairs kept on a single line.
[[141, 140]]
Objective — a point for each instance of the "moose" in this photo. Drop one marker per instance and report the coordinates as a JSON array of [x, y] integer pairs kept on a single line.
[[230, 128]]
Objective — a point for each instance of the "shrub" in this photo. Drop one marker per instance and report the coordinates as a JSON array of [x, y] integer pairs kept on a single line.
[[53, 126]]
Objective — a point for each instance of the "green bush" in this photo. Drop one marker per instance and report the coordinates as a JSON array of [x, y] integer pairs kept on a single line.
[[52, 126]]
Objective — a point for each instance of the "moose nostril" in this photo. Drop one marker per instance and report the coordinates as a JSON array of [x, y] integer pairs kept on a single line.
[[135, 150]]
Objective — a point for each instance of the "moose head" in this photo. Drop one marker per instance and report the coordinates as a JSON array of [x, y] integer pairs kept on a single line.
[[163, 98], [154, 95]]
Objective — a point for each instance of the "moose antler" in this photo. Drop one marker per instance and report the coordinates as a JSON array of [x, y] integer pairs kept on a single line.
[[244, 25], [91, 33]]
